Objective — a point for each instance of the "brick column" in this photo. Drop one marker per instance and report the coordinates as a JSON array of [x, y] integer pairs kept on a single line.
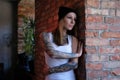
[[46, 19], [103, 39]]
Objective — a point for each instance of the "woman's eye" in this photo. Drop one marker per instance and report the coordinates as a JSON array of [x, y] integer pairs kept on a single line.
[[69, 17]]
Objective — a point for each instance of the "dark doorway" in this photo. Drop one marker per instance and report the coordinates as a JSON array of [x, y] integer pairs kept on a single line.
[[8, 38]]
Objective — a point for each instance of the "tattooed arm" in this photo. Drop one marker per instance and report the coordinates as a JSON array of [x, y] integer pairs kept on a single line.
[[77, 46], [54, 53], [73, 64], [62, 68]]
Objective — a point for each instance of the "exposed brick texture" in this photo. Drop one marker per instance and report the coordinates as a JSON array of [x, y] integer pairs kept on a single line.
[[102, 39], [25, 8], [46, 19], [100, 20]]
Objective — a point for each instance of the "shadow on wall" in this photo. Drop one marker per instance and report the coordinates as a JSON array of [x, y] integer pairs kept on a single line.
[[81, 70]]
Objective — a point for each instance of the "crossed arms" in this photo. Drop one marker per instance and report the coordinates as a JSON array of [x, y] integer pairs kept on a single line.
[[72, 64]]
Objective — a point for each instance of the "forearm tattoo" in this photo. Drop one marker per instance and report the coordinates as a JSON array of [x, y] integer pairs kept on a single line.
[[54, 53], [63, 68]]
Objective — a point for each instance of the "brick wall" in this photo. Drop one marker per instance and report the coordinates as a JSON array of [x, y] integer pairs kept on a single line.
[[103, 39], [46, 19], [25, 8]]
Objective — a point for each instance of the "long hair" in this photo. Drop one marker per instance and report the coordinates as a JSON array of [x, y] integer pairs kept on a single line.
[[76, 32], [57, 36], [57, 33]]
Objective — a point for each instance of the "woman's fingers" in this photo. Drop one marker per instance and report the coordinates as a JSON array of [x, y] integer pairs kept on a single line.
[[80, 49]]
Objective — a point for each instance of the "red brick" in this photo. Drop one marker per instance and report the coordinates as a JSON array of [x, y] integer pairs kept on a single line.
[[114, 78], [112, 20], [96, 42], [93, 3], [117, 4], [116, 72], [105, 78], [115, 42], [47, 20], [97, 58], [101, 15], [95, 19], [115, 58], [106, 49], [98, 11], [111, 64], [24, 10], [61, 2], [118, 13], [91, 34], [97, 74], [110, 35], [96, 26], [94, 66], [56, 17], [52, 8], [111, 78], [93, 11], [50, 20], [91, 50], [105, 12], [108, 4], [115, 27], [109, 50], [112, 12]]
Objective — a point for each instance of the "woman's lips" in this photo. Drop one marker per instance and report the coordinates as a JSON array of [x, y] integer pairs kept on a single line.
[[70, 25]]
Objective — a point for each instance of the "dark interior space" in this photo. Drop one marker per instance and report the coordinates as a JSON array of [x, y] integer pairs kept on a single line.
[[8, 39], [10, 60]]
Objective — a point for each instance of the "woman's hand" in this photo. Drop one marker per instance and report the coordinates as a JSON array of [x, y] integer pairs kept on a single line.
[[80, 49]]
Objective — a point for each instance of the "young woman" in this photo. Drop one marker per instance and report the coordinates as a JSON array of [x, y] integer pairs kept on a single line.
[[62, 46]]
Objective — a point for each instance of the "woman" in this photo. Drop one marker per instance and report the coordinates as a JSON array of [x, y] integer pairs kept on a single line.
[[62, 46]]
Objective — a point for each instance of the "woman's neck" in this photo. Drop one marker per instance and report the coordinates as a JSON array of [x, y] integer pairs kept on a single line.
[[64, 32], [63, 36]]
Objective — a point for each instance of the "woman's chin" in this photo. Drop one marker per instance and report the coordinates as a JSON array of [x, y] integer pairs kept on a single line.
[[70, 29]]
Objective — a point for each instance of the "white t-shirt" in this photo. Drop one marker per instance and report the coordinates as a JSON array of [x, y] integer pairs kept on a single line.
[[52, 62]]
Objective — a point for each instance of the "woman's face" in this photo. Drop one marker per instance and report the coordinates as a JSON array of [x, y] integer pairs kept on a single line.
[[69, 21]]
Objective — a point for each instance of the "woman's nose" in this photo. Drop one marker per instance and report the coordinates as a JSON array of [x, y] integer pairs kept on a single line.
[[72, 21]]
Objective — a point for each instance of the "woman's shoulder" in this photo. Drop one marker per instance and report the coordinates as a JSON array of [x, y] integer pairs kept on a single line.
[[73, 37], [45, 33]]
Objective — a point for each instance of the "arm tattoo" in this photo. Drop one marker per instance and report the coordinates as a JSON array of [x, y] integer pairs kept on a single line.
[[63, 68], [54, 53]]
